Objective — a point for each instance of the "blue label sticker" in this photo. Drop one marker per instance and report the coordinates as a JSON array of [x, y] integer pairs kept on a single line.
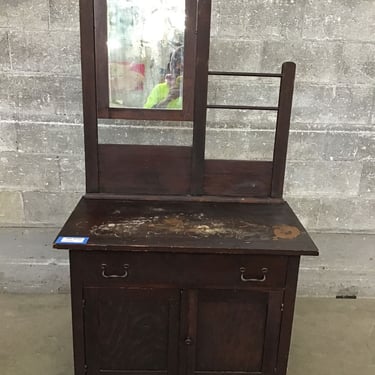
[[72, 240]]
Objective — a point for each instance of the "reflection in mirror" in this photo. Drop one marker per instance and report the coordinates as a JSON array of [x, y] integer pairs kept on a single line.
[[146, 53]]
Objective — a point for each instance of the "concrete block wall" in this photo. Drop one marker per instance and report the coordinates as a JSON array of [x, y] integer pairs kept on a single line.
[[331, 171], [41, 136]]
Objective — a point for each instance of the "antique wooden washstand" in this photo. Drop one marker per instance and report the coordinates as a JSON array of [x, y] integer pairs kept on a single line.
[[179, 264]]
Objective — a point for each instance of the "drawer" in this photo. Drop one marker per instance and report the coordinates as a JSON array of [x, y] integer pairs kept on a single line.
[[182, 270]]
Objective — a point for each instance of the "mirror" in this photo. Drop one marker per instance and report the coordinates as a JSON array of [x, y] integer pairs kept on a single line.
[[145, 45]]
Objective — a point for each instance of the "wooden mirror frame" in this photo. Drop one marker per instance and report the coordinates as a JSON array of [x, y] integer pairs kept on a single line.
[[102, 81], [114, 169]]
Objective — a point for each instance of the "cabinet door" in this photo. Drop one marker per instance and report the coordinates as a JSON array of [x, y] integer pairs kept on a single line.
[[131, 331], [231, 332]]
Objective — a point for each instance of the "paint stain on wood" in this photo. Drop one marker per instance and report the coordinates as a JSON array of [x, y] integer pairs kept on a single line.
[[196, 225], [285, 232]]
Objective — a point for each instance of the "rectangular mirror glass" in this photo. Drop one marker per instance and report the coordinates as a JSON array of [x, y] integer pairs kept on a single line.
[[146, 53]]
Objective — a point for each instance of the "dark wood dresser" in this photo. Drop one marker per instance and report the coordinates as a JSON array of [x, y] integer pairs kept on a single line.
[[184, 287], [180, 265]]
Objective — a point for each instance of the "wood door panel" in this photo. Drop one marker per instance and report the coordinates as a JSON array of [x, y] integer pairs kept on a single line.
[[132, 330], [235, 330], [234, 344], [141, 338]]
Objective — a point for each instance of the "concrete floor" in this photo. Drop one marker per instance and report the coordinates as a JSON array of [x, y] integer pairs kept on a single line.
[[330, 337]]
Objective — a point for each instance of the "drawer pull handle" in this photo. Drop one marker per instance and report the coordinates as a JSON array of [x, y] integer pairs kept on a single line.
[[123, 276], [259, 280]]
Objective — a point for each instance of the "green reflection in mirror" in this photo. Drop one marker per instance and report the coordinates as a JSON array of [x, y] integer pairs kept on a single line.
[[146, 53]]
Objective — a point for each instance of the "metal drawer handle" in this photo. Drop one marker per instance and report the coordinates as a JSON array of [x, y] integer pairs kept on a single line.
[[259, 280], [123, 276]]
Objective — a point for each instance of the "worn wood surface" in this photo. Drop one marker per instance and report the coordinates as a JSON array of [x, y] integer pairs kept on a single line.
[[237, 178], [89, 99], [188, 226], [144, 169], [132, 330], [288, 313], [181, 270], [101, 57], [234, 319], [282, 127], [200, 96]]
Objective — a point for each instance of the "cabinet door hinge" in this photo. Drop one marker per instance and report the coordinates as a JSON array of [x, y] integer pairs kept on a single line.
[[86, 368], [83, 303], [282, 307]]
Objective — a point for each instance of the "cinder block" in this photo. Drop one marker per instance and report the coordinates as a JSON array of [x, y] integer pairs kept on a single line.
[[261, 19], [7, 107], [49, 208], [332, 282], [72, 87], [215, 18], [345, 266], [243, 91], [28, 172], [306, 209], [11, 208], [239, 144], [64, 15], [321, 178], [358, 64], [366, 146], [274, 20], [4, 48], [340, 251], [341, 146], [147, 135], [31, 95], [25, 14], [34, 277], [225, 24], [45, 51], [44, 96], [235, 55], [35, 14], [28, 264], [316, 61], [330, 144], [367, 185], [72, 173], [306, 145], [8, 136], [55, 139], [233, 119], [4, 19], [349, 215], [332, 104], [346, 20]]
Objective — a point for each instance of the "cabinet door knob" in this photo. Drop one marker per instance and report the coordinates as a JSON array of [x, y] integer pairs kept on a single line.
[[256, 279], [188, 341], [122, 276]]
